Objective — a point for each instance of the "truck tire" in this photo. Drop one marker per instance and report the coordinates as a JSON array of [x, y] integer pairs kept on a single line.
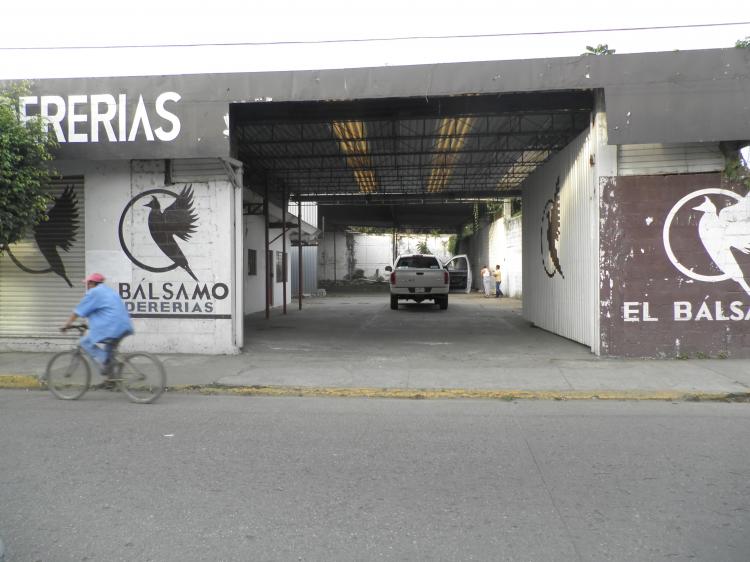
[[394, 303], [443, 303]]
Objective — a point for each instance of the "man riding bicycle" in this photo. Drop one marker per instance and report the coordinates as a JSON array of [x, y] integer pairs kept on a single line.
[[107, 316]]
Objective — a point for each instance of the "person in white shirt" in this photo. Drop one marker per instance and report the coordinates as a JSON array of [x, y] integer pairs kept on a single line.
[[486, 280]]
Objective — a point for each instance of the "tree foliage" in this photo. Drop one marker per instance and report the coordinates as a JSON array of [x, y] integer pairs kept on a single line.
[[25, 151], [737, 170], [601, 49], [743, 43]]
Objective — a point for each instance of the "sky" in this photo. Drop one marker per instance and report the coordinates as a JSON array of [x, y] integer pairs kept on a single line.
[[52, 24]]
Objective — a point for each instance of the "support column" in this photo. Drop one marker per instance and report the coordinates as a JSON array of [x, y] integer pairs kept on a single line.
[[394, 246], [299, 253], [334, 257], [284, 205], [604, 164], [266, 246]]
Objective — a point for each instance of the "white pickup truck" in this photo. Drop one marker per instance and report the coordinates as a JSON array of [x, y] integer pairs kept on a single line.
[[419, 277]]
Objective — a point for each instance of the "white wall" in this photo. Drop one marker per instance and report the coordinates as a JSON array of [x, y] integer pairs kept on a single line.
[[255, 285], [498, 243], [371, 252], [505, 250], [109, 187]]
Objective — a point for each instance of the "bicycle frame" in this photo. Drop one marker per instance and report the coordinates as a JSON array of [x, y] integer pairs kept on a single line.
[[139, 375]]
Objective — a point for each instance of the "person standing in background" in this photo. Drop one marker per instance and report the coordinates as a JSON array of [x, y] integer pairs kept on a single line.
[[498, 280], [486, 281]]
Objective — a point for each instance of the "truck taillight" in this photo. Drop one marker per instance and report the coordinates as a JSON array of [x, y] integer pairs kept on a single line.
[[446, 277], [393, 278]]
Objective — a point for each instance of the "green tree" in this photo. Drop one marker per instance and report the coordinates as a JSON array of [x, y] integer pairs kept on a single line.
[[743, 43], [736, 169], [601, 49], [25, 151]]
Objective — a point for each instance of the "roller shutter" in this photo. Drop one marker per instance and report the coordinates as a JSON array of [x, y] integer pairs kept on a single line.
[[40, 277], [656, 159]]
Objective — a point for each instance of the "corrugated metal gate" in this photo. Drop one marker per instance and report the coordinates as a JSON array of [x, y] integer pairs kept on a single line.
[[309, 269], [559, 206], [41, 277]]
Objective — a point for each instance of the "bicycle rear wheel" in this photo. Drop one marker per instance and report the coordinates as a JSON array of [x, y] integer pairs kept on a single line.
[[142, 377], [68, 375]]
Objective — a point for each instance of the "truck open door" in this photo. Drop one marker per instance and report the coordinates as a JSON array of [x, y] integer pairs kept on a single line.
[[460, 272]]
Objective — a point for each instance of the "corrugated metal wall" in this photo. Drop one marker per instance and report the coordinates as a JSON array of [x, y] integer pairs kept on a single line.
[[41, 277], [309, 212], [309, 269], [558, 293], [197, 170], [656, 159]]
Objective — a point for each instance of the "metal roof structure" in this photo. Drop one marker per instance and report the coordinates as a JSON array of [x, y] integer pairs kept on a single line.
[[407, 154]]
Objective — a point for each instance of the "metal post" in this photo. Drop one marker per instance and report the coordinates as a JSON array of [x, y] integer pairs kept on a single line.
[[284, 204], [266, 260], [393, 245], [299, 247], [334, 257]]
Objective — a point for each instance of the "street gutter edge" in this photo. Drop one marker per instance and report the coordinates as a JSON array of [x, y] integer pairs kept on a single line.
[[27, 382]]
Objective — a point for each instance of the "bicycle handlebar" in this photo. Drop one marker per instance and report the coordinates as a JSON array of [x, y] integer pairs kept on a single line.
[[80, 328]]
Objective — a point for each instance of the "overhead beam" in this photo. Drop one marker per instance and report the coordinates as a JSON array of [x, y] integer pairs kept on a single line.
[[406, 108]]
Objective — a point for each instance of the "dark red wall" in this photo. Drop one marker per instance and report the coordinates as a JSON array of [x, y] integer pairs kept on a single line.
[[640, 284]]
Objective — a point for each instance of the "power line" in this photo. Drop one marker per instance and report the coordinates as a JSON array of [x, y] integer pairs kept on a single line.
[[372, 39]]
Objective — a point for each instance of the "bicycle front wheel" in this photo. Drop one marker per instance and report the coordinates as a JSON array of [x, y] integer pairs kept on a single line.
[[142, 377], [68, 375]]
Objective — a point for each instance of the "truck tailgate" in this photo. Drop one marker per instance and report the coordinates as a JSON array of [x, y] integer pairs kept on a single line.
[[419, 278]]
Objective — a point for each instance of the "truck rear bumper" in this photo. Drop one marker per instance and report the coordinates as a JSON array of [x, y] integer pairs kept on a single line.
[[412, 292]]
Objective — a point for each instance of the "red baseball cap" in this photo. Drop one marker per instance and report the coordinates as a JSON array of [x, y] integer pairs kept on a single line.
[[95, 278]]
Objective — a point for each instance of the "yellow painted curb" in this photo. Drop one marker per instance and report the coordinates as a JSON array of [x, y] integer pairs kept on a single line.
[[32, 382], [19, 381], [433, 394]]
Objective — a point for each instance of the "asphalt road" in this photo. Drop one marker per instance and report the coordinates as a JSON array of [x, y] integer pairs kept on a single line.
[[252, 478]]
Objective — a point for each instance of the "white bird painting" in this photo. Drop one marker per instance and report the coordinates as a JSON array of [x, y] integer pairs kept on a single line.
[[722, 231]]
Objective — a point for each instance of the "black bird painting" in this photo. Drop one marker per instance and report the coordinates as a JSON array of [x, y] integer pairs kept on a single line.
[[179, 219], [58, 231], [551, 216]]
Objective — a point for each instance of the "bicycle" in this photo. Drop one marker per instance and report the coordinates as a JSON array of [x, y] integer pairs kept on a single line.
[[139, 375]]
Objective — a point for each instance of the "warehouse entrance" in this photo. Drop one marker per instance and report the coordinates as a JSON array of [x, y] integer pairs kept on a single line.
[[401, 165]]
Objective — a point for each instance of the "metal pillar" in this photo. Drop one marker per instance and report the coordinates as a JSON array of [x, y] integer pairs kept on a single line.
[[284, 205], [267, 245], [299, 248], [394, 246], [334, 256]]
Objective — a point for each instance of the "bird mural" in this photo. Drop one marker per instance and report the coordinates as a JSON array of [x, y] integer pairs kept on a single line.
[[57, 231], [551, 216], [722, 231], [178, 220]]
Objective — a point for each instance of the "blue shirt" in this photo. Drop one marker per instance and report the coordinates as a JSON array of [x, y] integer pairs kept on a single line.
[[106, 313]]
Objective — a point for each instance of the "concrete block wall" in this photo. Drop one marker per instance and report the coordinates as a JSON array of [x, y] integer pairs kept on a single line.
[[110, 186]]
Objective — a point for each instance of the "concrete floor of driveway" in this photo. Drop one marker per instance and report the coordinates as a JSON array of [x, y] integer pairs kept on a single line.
[[346, 340], [478, 343]]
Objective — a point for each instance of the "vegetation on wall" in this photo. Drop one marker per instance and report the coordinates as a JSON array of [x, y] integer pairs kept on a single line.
[[736, 170], [601, 49], [25, 151]]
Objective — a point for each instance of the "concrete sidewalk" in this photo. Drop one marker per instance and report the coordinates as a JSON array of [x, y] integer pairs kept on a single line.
[[355, 346]]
